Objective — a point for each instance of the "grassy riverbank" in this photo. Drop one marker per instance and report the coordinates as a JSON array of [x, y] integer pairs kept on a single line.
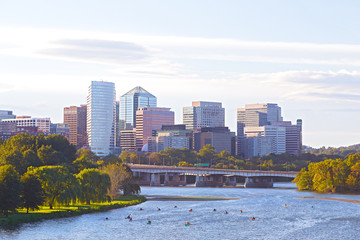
[[45, 212]]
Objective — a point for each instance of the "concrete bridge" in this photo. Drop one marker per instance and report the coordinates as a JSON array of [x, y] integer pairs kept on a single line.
[[205, 177]]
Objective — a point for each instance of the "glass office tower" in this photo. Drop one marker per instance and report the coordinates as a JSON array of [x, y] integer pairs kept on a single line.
[[129, 104], [101, 117]]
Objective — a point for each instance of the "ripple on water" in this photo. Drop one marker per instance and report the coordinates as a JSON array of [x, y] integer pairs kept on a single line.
[[327, 220]]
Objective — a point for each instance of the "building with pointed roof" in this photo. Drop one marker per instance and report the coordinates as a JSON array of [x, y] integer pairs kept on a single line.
[[129, 104]]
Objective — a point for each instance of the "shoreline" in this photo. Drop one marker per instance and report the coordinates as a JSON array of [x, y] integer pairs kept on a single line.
[[17, 219], [332, 199]]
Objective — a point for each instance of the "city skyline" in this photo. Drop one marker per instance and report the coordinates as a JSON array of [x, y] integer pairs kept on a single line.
[[294, 54]]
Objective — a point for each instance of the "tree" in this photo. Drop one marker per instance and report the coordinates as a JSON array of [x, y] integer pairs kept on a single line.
[[122, 179], [155, 158], [31, 159], [87, 154], [94, 185], [60, 144], [33, 194], [14, 158], [129, 185], [10, 189], [125, 156], [56, 182], [353, 180], [207, 154], [82, 163], [111, 158], [49, 156], [303, 180]]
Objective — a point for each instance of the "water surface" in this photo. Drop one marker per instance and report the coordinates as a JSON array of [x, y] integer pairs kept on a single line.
[[303, 219]]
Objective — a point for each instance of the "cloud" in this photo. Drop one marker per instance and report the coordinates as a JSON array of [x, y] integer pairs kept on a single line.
[[98, 50], [118, 47], [317, 85]]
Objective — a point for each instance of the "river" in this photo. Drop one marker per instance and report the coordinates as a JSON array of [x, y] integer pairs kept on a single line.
[[302, 219]]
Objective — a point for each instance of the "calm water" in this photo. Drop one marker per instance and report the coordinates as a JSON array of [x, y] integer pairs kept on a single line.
[[326, 220]]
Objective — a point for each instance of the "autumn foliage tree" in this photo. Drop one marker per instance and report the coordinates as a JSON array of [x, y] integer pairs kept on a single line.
[[331, 175]]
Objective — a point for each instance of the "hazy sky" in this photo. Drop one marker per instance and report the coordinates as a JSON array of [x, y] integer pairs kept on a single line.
[[303, 55]]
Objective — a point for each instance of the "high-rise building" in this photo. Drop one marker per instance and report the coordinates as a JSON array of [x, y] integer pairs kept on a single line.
[[255, 115], [101, 117], [117, 125], [149, 119], [293, 136], [75, 118], [5, 114], [204, 114], [128, 140], [43, 124], [218, 137], [277, 134], [129, 104]]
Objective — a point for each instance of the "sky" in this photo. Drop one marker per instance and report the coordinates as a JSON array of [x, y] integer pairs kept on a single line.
[[302, 55]]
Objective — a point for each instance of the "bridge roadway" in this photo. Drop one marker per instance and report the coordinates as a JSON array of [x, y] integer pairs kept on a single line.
[[174, 176]]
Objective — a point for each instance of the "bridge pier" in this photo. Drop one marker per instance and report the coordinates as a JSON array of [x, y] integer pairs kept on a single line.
[[174, 179], [258, 182], [209, 181], [144, 179], [230, 181], [155, 179]]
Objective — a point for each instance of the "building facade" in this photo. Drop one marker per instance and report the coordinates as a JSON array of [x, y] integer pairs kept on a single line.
[[149, 119], [75, 119], [293, 136], [277, 134], [128, 140], [170, 136], [6, 114], [254, 115], [218, 137], [60, 129], [42, 124], [9, 129], [101, 117], [204, 114], [129, 104]]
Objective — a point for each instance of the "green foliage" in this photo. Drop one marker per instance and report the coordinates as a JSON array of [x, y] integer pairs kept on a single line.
[[14, 158], [122, 179], [61, 145], [10, 189], [86, 154], [67, 211], [57, 182], [331, 175], [125, 157], [208, 155], [94, 185], [48, 156], [23, 151], [110, 159], [335, 152], [82, 163], [32, 194], [353, 180]]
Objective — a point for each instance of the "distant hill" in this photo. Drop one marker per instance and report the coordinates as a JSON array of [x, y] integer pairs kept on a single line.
[[341, 151]]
